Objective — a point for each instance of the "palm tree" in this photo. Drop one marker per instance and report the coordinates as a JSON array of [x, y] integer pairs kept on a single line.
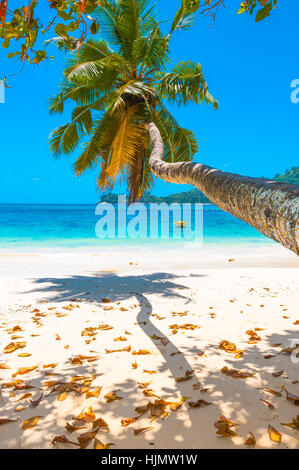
[[120, 86]]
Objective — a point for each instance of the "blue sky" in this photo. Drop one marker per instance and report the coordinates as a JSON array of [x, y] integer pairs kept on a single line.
[[249, 68]]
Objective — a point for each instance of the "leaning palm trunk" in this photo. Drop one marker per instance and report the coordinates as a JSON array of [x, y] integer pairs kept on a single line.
[[270, 207]]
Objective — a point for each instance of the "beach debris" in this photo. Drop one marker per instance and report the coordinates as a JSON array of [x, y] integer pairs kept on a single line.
[[111, 397], [139, 431], [149, 393], [6, 420], [268, 403], [253, 336], [269, 356], [250, 441], [70, 428], [278, 374], [230, 348], [185, 326], [141, 352], [85, 438], [24, 370], [94, 394], [24, 397], [188, 376], [105, 300], [87, 415], [274, 435], [99, 445], [126, 349], [11, 347], [224, 427], [63, 440], [31, 422], [293, 398], [199, 403], [273, 392], [294, 424], [100, 423], [127, 421], [237, 374], [37, 402]]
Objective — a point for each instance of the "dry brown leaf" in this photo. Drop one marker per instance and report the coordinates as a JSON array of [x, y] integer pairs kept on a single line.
[[23, 397], [294, 424], [6, 420], [3, 366], [141, 352], [11, 347], [70, 428], [24, 370], [224, 426], [87, 415], [85, 438], [37, 402], [139, 431], [128, 421], [250, 440], [63, 440], [111, 397], [30, 423], [127, 349], [293, 398], [100, 423], [274, 435], [94, 394], [188, 376], [237, 374], [24, 355], [273, 392], [50, 366], [99, 445], [198, 404], [120, 338]]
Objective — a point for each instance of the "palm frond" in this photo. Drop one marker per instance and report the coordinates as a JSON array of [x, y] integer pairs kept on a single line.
[[185, 16], [185, 83], [127, 143]]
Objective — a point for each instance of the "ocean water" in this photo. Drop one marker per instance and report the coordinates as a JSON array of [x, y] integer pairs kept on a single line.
[[37, 227]]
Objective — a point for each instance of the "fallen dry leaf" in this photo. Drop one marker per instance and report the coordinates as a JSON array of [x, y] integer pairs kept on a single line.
[[30, 423], [274, 435], [111, 397], [250, 440], [139, 431]]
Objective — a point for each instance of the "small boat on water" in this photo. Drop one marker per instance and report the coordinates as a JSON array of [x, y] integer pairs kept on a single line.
[[181, 223]]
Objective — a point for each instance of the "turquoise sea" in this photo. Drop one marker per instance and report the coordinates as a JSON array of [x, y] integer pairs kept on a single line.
[[35, 227]]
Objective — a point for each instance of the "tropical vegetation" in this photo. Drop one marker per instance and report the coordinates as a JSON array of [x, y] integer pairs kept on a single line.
[[119, 84]]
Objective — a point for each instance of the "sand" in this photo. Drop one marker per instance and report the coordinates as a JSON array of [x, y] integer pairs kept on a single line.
[[147, 293]]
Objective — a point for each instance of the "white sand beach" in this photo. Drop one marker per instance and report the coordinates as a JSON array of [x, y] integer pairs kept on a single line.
[[175, 305]]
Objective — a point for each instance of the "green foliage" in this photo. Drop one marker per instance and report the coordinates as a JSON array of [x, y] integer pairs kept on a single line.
[[72, 20], [118, 86], [290, 176], [262, 8], [24, 26]]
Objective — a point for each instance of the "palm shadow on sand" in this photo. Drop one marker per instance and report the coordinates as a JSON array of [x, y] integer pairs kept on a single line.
[[182, 430]]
